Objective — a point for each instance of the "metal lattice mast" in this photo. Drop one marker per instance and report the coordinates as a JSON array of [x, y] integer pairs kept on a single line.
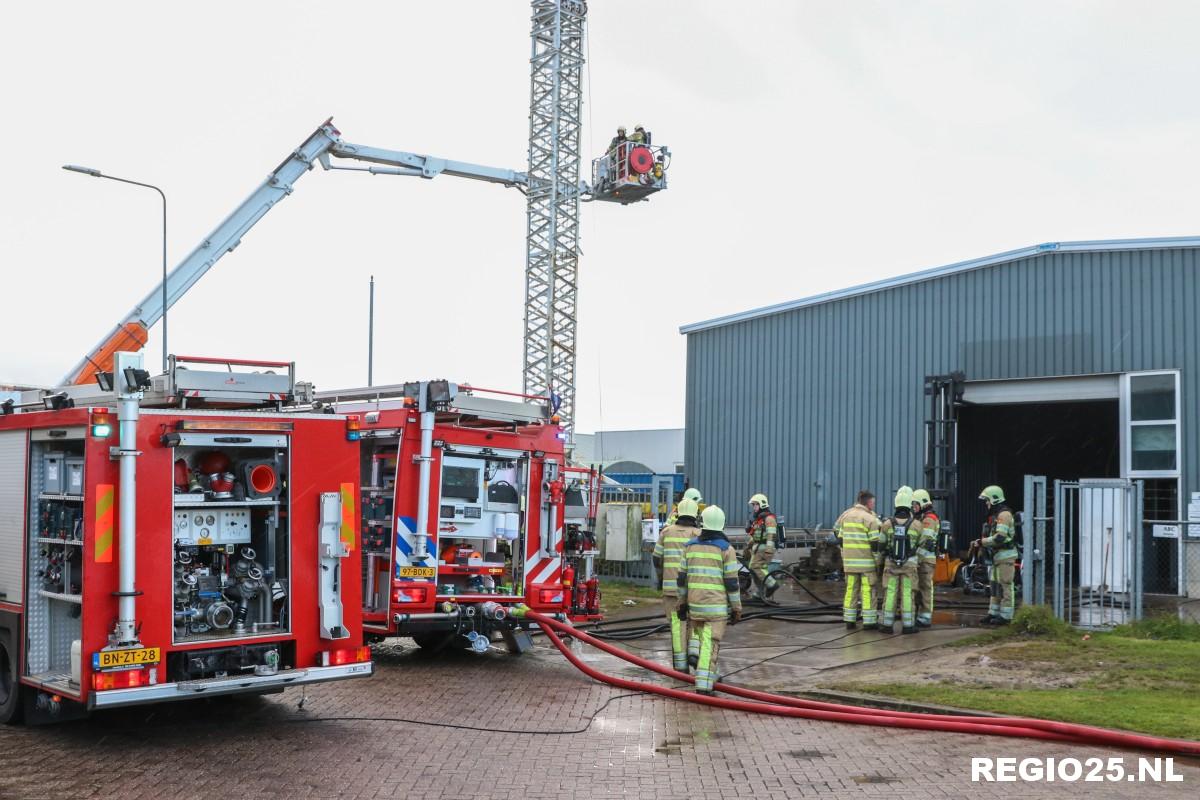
[[552, 236]]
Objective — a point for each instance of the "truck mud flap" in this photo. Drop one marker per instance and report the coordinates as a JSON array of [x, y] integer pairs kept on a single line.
[[517, 640]]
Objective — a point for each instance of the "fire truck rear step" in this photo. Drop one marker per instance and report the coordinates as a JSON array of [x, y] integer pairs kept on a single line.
[[281, 678]]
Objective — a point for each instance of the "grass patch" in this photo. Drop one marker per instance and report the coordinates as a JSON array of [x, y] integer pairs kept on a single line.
[[1162, 628], [1158, 712], [1029, 622], [613, 595], [1140, 677]]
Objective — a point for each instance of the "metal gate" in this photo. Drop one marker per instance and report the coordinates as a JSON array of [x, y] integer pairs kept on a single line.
[[1098, 552], [655, 499], [1034, 554]]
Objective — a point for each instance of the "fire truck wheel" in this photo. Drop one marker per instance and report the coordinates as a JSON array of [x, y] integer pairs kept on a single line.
[[435, 641], [10, 686]]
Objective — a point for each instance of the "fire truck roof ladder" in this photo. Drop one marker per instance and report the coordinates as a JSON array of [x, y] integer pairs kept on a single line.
[[463, 400]]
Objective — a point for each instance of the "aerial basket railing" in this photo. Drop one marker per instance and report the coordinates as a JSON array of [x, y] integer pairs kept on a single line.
[[630, 171]]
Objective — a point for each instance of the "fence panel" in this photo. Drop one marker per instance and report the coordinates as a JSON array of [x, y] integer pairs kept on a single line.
[[1098, 552]]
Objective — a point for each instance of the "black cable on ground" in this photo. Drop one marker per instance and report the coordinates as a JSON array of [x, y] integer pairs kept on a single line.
[[814, 645], [482, 729], [142, 727]]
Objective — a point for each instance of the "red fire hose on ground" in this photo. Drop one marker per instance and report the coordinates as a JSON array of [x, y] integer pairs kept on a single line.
[[784, 705]]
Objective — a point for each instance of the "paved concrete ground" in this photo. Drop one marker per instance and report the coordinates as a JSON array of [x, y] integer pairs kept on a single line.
[[384, 737]]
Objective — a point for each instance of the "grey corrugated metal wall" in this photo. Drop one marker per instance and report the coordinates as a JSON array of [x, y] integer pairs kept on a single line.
[[811, 404]]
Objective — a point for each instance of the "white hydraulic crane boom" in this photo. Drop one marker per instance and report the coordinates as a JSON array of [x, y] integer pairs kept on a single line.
[[130, 333]]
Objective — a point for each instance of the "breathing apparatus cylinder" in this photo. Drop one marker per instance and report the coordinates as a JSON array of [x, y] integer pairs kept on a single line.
[[945, 543], [898, 550]]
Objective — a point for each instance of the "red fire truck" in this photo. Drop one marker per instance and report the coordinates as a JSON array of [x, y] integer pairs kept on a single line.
[[469, 508], [175, 536]]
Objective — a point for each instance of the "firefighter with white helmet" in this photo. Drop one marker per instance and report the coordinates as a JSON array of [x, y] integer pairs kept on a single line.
[[926, 555], [857, 530], [900, 532], [709, 596], [1000, 542], [668, 552], [762, 530]]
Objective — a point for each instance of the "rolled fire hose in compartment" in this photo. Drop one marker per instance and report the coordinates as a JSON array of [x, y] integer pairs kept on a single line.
[[787, 706], [231, 540]]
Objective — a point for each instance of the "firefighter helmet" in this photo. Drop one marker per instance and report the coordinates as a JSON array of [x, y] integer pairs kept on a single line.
[[904, 497], [761, 499], [621, 130], [687, 508], [693, 494], [921, 496], [993, 494], [713, 519]]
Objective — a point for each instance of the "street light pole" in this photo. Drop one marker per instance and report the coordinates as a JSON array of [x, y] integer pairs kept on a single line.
[[95, 173], [371, 336]]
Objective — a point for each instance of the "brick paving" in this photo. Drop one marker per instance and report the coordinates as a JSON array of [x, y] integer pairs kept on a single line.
[[634, 746]]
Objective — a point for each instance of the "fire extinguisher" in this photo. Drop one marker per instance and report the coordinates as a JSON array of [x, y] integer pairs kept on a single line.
[[568, 584], [592, 598]]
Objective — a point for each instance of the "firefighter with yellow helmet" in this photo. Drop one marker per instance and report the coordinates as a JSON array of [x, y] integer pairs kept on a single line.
[[709, 595], [691, 493], [901, 532], [922, 507], [1001, 544], [762, 529], [668, 553]]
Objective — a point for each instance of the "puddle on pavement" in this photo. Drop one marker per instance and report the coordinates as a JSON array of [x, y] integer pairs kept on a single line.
[[874, 779], [805, 753]]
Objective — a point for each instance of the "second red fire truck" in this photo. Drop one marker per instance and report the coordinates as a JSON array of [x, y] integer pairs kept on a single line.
[[469, 509]]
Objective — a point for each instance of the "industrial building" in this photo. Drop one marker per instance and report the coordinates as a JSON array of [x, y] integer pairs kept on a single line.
[[648, 451], [1068, 360]]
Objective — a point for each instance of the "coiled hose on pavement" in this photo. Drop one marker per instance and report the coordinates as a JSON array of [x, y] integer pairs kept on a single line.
[[783, 705]]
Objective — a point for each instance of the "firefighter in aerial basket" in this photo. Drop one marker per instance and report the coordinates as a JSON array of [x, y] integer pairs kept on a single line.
[[901, 533], [668, 552], [1000, 542], [709, 596]]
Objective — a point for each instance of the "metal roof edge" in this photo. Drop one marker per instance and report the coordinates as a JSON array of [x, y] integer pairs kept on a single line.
[[1093, 245]]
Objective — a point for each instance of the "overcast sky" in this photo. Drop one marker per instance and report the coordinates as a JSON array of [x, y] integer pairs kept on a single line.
[[816, 146]]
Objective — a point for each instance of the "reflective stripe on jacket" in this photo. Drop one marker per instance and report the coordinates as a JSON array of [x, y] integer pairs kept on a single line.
[[671, 541], [857, 529], [914, 533], [763, 529], [708, 578], [1001, 538], [927, 546]]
